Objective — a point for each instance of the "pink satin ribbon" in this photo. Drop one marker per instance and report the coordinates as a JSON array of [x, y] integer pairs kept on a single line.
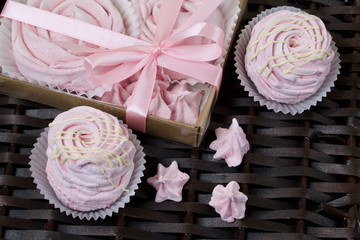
[[129, 55]]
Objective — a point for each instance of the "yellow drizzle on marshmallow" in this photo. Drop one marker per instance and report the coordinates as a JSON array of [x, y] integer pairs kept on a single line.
[[107, 137], [297, 56], [288, 56]]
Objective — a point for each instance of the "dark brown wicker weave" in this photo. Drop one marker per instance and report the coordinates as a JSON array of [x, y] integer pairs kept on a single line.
[[301, 175]]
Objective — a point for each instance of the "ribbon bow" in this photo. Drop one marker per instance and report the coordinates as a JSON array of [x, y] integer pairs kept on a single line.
[[129, 56]]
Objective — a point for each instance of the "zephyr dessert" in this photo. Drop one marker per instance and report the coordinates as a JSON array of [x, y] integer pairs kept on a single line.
[[56, 60], [286, 60], [148, 13], [91, 161]]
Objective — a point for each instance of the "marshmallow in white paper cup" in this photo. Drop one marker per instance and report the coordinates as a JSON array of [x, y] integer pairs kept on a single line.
[[38, 163], [282, 94]]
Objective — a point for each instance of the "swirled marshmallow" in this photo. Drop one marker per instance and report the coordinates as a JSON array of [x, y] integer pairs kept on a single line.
[[57, 60], [288, 56], [148, 12], [90, 158]]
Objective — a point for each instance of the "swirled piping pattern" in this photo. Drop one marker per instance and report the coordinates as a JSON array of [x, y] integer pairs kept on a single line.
[[288, 56], [90, 158]]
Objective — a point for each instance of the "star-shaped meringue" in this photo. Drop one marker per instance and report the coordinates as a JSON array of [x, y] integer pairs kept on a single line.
[[231, 144], [168, 183], [229, 202]]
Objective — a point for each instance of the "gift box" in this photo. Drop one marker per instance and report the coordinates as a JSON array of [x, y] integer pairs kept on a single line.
[[14, 84]]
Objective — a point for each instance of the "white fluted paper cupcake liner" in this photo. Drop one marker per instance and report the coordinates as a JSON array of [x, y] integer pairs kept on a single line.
[[38, 164], [231, 10], [8, 64], [240, 51]]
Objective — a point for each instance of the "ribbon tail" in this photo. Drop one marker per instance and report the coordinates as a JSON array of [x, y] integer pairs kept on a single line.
[[139, 102], [105, 75], [197, 53]]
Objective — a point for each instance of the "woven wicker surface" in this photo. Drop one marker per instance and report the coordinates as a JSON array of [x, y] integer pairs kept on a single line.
[[301, 174]]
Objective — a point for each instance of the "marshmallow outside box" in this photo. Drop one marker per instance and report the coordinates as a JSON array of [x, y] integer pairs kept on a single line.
[[184, 133]]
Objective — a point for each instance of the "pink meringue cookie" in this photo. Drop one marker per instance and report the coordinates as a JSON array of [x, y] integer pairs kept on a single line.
[[148, 13], [231, 144], [168, 183], [121, 94], [118, 95], [90, 158], [184, 103], [229, 202], [40, 56], [288, 56], [179, 101]]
